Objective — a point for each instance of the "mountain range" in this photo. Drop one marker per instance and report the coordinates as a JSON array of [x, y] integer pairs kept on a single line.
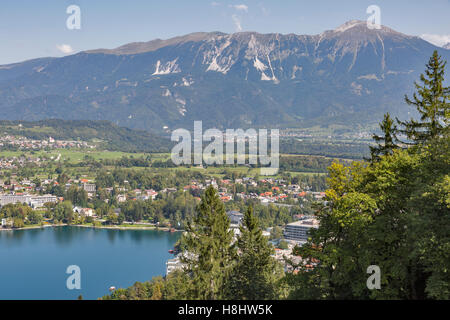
[[346, 77]]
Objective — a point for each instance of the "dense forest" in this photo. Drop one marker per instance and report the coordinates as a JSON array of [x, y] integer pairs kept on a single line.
[[391, 212], [346, 150], [106, 134]]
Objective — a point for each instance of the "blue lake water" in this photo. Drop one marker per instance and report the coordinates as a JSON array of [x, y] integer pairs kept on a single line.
[[33, 262]]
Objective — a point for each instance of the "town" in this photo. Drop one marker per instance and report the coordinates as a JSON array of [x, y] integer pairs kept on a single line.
[[23, 143], [117, 197]]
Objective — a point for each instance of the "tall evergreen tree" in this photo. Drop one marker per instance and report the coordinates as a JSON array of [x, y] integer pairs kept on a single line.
[[432, 101], [255, 274], [208, 248], [386, 143]]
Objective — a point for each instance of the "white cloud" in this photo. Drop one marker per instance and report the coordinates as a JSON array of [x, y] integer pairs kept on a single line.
[[240, 7], [237, 22], [215, 4], [64, 48], [237, 19], [437, 39]]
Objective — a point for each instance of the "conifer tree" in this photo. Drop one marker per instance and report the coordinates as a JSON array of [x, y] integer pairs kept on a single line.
[[208, 248], [432, 101], [255, 274], [386, 143]]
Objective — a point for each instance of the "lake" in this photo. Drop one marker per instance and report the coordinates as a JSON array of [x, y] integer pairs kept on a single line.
[[33, 263]]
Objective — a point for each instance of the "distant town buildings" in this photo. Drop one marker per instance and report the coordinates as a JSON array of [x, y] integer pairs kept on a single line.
[[173, 264], [24, 143], [235, 218], [86, 212], [33, 201], [299, 231], [89, 187]]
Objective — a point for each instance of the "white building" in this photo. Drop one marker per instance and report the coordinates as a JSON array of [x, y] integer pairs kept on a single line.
[[299, 231], [31, 200], [39, 201], [235, 217], [87, 212], [173, 264], [89, 187]]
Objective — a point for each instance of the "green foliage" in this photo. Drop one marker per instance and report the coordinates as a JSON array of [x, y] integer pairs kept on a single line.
[[77, 196], [255, 274], [170, 288], [432, 101], [34, 217], [111, 136], [18, 223], [209, 249], [63, 212], [20, 214], [283, 245], [393, 213], [347, 150], [386, 143], [304, 164]]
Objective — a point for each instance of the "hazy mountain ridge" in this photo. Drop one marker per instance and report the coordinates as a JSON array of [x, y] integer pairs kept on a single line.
[[103, 133], [350, 75]]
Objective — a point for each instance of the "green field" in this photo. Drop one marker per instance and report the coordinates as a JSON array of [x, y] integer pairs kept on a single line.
[[78, 155], [75, 156]]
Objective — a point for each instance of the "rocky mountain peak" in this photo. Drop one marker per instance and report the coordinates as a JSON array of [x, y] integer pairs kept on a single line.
[[355, 26], [351, 74]]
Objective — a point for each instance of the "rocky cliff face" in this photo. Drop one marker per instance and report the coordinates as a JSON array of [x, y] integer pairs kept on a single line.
[[348, 76]]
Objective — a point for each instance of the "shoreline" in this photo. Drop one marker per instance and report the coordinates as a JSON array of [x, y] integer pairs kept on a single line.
[[165, 229]]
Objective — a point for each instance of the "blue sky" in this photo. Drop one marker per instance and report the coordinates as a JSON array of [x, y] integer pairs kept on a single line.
[[37, 28]]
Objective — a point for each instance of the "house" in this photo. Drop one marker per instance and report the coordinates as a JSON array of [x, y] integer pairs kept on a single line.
[[235, 217], [121, 198], [151, 193], [7, 223], [173, 264], [318, 195], [302, 194], [86, 212], [225, 198], [89, 187], [266, 234], [294, 188], [37, 202], [299, 231]]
